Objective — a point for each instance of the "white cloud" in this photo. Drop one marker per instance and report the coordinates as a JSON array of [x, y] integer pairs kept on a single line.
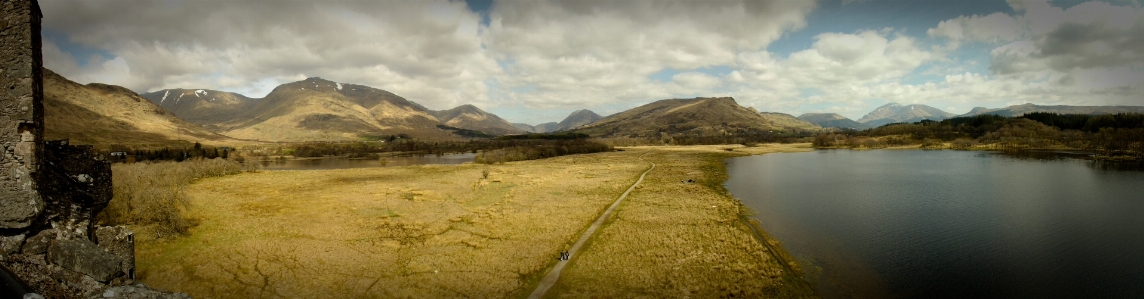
[[996, 27], [590, 53], [428, 51], [564, 55]]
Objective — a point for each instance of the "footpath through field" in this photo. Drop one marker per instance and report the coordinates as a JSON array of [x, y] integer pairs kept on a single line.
[[550, 279]]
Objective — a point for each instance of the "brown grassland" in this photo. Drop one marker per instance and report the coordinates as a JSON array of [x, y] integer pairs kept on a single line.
[[449, 231]]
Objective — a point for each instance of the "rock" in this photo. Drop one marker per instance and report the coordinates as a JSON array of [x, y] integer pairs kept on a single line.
[[138, 291], [120, 241], [10, 245], [38, 244], [85, 257]]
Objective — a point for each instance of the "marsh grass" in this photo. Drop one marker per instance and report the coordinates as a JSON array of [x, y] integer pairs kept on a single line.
[[155, 193], [421, 231], [671, 239], [447, 231]]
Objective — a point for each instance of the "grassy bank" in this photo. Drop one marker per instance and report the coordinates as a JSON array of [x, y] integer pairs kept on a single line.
[[672, 239], [450, 231]]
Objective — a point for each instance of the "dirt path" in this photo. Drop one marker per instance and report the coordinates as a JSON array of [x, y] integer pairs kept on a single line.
[[550, 279]]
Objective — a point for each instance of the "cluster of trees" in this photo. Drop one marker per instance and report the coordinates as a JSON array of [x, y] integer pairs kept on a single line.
[[546, 136], [540, 149], [1109, 134], [465, 132], [117, 153]]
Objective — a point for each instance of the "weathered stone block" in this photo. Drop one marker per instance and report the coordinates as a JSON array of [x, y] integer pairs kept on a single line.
[[38, 244], [120, 241], [10, 245], [85, 257]]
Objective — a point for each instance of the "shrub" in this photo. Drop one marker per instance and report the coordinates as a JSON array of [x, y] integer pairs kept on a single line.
[[153, 193]]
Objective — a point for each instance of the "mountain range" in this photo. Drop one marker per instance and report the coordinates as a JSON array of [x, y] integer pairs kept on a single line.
[[1018, 110], [316, 109], [897, 113]]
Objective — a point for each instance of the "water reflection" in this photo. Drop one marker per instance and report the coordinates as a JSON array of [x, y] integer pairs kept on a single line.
[[341, 163], [951, 224], [1083, 157]]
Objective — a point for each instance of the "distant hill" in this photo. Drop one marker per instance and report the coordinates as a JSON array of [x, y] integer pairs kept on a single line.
[[832, 120], [700, 116], [1018, 110], [203, 106], [472, 118], [896, 113], [787, 121], [576, 119], [104, 115], [541, 128]]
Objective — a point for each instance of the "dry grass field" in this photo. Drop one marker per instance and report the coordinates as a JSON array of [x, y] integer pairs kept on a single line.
[[448, 231], [676, 240]]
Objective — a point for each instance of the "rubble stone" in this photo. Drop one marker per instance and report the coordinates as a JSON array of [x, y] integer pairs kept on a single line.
[[83, 256], [138, 291], [38, 244]]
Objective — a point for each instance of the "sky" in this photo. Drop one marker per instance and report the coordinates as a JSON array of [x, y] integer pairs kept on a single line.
[[537, 61]]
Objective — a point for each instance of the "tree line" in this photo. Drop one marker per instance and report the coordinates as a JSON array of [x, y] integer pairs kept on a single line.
[[1108, 134]]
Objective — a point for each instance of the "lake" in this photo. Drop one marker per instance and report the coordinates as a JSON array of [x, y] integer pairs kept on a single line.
[[340, 163], [951, 224]]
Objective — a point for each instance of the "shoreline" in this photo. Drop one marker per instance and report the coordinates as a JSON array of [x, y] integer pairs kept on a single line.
[[1093, 155]]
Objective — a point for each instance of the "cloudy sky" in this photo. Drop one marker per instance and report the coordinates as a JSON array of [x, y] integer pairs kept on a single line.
[[537, 61]]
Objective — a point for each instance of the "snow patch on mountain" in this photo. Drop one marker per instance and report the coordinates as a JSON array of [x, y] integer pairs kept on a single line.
[[200, 93], [165, 96], [339, 86]]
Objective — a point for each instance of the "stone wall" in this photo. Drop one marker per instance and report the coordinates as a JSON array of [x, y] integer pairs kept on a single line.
[[21, 113]]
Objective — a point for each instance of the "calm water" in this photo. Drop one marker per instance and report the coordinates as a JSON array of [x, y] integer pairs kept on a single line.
[[951, 224], [339, 163]]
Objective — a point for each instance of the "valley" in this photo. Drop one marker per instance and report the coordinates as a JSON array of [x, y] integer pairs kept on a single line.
[[452, 231]]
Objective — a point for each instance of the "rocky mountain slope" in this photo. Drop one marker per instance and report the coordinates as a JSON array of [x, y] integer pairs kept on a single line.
[[104, 115], [472, 118], [1018, 110], [202, 106], [832, 120], [896, 113], [701, 116], [319, 109]]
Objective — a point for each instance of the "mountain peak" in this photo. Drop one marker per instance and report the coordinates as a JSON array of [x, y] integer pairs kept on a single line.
[[894, 112], [890, 105]]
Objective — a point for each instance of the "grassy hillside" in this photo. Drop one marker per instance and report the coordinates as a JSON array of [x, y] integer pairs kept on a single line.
[[691, 117], [105, 115], [472, 118]]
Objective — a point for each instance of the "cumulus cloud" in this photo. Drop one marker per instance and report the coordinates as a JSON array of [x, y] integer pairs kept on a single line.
[[429, 51], [548, 55], [581, 53]]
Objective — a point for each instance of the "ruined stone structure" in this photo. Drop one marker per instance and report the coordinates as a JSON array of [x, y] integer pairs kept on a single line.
[[51, 191], [21, 113]]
